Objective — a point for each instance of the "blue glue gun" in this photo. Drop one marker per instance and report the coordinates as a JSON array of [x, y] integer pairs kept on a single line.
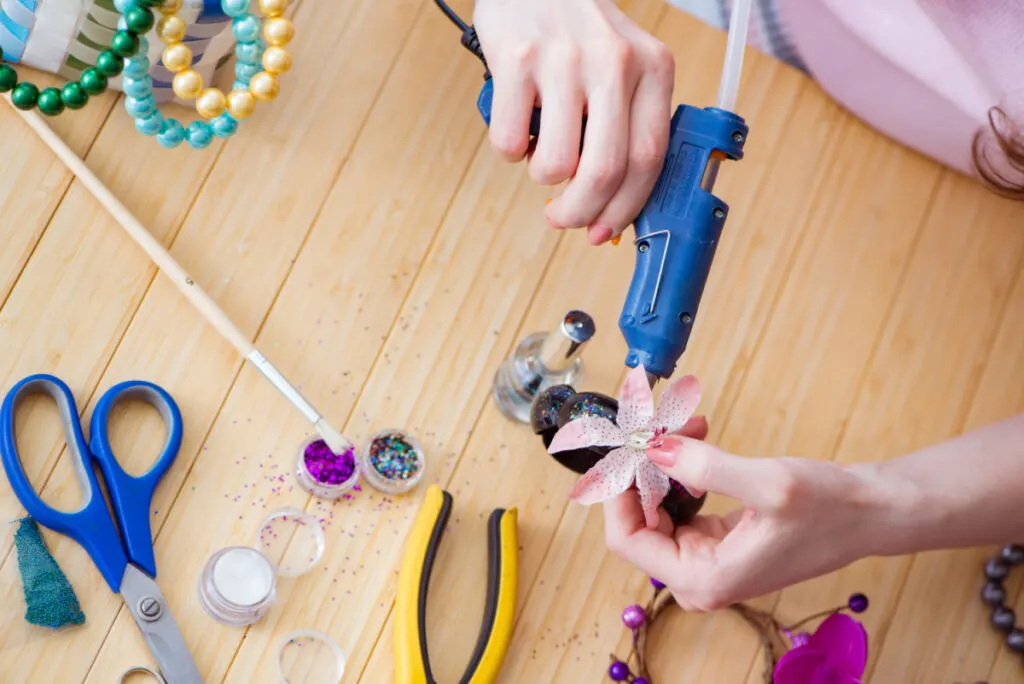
[[677, 233]]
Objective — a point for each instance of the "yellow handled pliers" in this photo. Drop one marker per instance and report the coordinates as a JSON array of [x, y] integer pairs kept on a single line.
[[412, 664]]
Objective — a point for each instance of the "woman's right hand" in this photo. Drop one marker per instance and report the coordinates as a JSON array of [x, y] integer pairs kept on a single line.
[[576, 58]]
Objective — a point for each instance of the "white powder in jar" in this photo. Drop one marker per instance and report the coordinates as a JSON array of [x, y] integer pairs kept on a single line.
[[243, 576]]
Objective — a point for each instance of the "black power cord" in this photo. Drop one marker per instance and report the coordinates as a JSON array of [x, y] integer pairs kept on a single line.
[[470, 40]]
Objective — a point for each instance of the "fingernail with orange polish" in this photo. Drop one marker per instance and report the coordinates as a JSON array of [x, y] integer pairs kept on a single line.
[[617, 239]]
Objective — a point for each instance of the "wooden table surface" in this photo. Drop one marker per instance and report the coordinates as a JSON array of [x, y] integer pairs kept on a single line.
[[864, 302]]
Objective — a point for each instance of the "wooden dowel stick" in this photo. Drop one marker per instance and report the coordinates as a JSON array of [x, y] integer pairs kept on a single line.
[[181, 279]]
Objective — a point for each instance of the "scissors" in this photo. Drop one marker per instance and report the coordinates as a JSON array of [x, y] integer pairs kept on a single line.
[[121, 545]]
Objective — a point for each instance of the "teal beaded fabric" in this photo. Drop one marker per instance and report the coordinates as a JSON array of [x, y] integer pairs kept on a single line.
[[49, 599]]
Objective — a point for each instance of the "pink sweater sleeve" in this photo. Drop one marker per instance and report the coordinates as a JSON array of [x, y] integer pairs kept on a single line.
[[924, 72]]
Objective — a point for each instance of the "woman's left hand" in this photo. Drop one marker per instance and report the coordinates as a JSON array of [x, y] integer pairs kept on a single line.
[[799, 518]]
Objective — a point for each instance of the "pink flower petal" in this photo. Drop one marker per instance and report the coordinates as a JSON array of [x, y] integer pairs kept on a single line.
[[608, 478], [677, 404], [653, 486], [586, 431], [636, 402], [799, 666], [846, 642]]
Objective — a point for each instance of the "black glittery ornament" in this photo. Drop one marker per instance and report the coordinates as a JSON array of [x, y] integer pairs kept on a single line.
[[544, 411], [680, 505], [588, 404]]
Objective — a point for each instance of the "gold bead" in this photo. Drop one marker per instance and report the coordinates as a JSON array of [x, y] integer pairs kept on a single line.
[[210, 103], [177, 57], [278, 31], [273, 8], [169, 6], [171, 29], [241, 104], [276, 60], [187, 84], [264, 86]]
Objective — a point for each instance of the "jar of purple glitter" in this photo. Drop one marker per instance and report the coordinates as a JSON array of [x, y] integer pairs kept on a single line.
[[323, 473]]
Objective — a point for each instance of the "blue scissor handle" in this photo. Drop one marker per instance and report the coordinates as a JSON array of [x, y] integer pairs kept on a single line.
[[131, 496], [91, 525]]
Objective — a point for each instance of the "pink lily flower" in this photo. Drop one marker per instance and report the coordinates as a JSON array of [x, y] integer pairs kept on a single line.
[[639, 428], [837, 653]]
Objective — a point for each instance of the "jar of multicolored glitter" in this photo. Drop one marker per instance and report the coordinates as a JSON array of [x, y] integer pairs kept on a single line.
[[323, 473], [392, 461]]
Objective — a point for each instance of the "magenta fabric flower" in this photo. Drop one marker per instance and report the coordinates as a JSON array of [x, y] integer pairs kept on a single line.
[[639, 428], [837, 653]]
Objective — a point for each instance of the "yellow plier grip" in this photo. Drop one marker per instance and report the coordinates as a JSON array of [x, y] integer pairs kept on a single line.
[[412, 662]]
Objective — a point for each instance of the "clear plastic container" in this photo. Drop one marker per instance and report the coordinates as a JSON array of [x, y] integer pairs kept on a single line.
[[292, 540], [392, 461], [309, 656], [317, 474], [237, 586]]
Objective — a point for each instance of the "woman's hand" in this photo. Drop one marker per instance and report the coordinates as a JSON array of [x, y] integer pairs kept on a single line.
[[576, 58], [799, 518]]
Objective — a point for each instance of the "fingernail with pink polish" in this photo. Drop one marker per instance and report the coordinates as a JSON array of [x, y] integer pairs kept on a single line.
[[600, 234], [663, 455]]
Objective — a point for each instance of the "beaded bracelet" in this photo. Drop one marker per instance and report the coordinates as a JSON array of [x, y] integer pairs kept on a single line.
[[252, 78], [773, 635], [126, 42], [1003, 618]]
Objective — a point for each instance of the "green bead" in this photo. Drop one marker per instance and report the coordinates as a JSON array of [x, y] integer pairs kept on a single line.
[[8, 78], [124, 44], [25, 96], [50, 103], [139, 20], [93, 81], [109, 64], [74, 96]]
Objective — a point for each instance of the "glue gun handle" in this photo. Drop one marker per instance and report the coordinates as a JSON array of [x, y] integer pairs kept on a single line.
[[486, 98]]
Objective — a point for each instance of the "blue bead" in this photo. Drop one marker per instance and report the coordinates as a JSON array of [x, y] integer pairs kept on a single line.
[[245, 72], [140, 106], [235, 8], [223, 126], [122, 25], [199, 135], [249, 53], [136, 67], [240, 85], [246, 29], [143, 46], [123, 5], [171, 134], [150, 125], [137, 87]]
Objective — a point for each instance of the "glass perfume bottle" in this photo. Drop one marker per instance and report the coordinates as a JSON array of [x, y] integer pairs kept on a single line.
[[541, 360]]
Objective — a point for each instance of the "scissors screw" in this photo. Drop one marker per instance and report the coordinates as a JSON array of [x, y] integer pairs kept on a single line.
[[150, 608]]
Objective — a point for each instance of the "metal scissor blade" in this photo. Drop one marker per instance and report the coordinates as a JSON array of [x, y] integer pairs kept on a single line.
[[153, 617]]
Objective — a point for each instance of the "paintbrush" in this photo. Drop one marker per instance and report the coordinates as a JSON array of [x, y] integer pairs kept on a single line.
[[214, 315]]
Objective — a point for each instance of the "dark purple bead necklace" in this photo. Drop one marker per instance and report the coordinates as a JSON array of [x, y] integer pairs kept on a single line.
[[997, 569]]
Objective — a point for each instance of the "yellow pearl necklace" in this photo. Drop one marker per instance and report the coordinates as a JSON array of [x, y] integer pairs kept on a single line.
[[211, 102]]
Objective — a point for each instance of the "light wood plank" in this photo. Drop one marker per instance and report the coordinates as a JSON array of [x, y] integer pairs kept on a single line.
[[917, 390], [65, 316], [924, 644]]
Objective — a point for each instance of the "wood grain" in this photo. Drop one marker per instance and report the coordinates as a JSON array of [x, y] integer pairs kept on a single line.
[[864, 303]]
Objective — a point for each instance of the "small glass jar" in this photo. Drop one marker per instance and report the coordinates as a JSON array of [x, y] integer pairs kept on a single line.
[[322, 473], [392, 461], [237, 586]]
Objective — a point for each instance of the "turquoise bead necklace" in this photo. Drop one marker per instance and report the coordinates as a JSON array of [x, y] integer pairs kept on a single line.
[[169, 132], [126, 42]]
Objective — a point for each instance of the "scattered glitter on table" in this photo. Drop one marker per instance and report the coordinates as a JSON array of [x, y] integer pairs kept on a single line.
[[323, 473], [393, 461]]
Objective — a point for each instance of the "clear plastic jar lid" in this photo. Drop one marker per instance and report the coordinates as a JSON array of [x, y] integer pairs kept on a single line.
[[392, 461], [323, 473], [292, 540], [309, 656]]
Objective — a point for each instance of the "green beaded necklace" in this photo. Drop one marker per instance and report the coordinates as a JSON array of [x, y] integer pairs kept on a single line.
[[138, 20]]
